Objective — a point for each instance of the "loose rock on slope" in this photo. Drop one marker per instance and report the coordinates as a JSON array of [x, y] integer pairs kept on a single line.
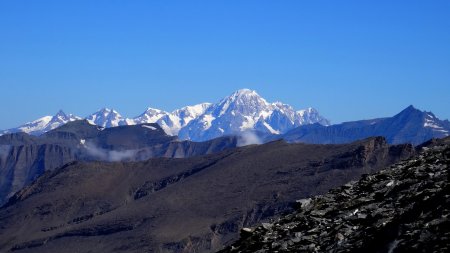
[[404, 208]]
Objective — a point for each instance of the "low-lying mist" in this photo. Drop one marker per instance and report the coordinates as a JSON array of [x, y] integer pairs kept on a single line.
[[248, 138], [109, 155]]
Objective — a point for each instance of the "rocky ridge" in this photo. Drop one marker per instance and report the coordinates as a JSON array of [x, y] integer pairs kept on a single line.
[[411, 125], [404, 208]]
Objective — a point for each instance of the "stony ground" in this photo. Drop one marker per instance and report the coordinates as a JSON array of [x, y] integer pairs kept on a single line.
[[404, 208]]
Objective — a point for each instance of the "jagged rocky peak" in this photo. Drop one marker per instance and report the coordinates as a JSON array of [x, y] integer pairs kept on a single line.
[[61, 114], [63, 118]]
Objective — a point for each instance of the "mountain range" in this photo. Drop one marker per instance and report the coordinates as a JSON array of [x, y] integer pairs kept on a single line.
[[245, 113], [244, 110]]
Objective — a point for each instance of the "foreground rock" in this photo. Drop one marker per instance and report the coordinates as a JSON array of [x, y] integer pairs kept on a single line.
[[404, 208]]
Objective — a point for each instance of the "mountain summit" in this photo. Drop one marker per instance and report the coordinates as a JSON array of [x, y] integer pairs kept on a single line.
[[244, 110], [106, 118]]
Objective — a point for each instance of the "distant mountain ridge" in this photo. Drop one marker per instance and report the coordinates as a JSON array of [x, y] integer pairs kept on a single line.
[[244, 110], [44, 124], [409, 126]]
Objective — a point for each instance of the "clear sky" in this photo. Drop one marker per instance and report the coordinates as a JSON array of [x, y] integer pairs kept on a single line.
[[349, 59]]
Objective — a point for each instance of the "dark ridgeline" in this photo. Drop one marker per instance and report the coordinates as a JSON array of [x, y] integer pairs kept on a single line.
[[195, 204], [404, 208], [409, 126], [24, 157]]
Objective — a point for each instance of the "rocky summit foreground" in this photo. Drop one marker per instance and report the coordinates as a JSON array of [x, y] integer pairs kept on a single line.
[[404, 208]]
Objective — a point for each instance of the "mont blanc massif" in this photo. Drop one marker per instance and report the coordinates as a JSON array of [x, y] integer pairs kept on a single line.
[[240, 175]]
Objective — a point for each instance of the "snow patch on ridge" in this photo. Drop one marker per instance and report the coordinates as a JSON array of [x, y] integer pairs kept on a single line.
[[149, 127]]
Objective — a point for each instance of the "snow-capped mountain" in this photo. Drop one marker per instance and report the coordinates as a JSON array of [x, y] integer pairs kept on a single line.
[[171, 122], [106, 118], [43, 124], [245, 110], [242, 111], [188, 113]]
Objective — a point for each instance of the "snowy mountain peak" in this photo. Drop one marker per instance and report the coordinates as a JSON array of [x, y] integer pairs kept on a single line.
[[43, 124], [245, 93], [106, 111], [246, 110], [106, 117], [244, 102], [150, 115]]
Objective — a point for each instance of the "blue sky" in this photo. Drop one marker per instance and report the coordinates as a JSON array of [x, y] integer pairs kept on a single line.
[[349, 59]]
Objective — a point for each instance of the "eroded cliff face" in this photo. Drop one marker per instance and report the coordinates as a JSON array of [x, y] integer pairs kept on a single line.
[[196, 204], [404, 208], [22, 164]]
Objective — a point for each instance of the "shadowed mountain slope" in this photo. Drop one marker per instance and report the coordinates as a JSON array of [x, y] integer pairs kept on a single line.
[[194, 204], [24, 157], [409, 126]]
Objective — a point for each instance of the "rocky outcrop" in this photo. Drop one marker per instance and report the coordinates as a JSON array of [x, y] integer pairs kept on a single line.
[[404, 208], [22, 164]]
